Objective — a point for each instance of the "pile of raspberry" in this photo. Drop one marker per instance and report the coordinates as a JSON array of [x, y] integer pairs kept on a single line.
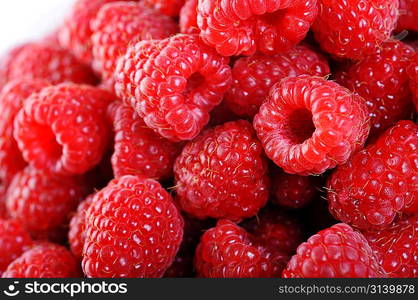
[[207, 138]]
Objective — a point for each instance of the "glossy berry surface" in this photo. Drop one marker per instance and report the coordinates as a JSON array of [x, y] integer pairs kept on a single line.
[[309, 125], [223, 173], [408, 13], [188, 17]]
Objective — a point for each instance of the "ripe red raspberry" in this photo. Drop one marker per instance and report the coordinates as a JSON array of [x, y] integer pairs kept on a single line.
[[378, 183], [138, 149], [41, 203], [63, 129], [173, 84], [75, 34], [45, 260], [254, 76], [228, 251], [397, 247], [120, 24], [188, 17], [6, 62], [293, 191], [14, 240], [133, 229], [408, 13], [12, 98], [243, 27], [336, 252], [280, 231], [413, 79], [223, 173], [51, 63], [309, 125], [3, 210], [166, 7], [382, 80], [354, 29], [76, 234]]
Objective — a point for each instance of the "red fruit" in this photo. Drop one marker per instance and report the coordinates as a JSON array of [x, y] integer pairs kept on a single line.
[[309, 125], [14, 240], [408, 13], [120, 24], [63, 129], [173, 84], [12, 98], [46, 260], [228, 251], [50, 63], [336, 252], [75, 34], [397, 247], [293, 191], [378, 183], [382, 80], [133, 229], [76, 234], [254, 76], [3, 191], [244, 27], [188, 17], [6, 62], [166, 7], [413, 79], [354, 29], [223, 173], [43, 204], [138, 149]]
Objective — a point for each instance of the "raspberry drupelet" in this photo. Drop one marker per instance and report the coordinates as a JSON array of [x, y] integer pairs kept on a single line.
[[309, 125], [138, 149], [6, 61], [133, 229], [166, 7], [229, 251], [378, 183], [397, 247], [254, 76], [382, 80], [223, 173], [68, 145], [173, 84], [188, 17], [354, 29], [120, 24], [45, 260], [413, 79], [244, 27], [408, 13]]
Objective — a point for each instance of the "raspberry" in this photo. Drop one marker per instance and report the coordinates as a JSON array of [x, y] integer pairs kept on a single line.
[[51, 63], [223, 173], [3, 210], [138, 150], [46, 260], [228, 251], [188, 17], [76, 234], [254, 76], [66, 145], [166, 7], [14, 240], [43, 204], [243, 27], [413, 79], [281, 231], [133, 229], [336, 252], [293, 191], [173, 84], [12, 98], [354, 29], [309, 125], [6, 62], [397, 247], [119, 24], [408, 13], [378, 183], [382, 80], [75, 34]]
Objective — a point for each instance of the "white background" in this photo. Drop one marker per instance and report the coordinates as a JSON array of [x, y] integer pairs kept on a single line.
[[25, 20]]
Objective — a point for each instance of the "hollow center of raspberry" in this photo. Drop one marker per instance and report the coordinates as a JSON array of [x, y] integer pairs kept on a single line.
[[273, 18], [193, 82], [49, 145], [300, 126]]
